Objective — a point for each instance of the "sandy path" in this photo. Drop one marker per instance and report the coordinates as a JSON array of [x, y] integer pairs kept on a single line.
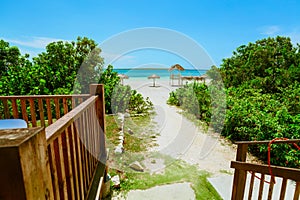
[[179, 137]]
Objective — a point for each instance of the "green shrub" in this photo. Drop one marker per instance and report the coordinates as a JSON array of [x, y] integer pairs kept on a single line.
[[194, 98]]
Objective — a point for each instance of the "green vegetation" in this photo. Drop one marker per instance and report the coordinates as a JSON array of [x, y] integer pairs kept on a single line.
[[51, 72], [141, 136], [194, 98], [66, 68], [261, 82], [178, 171], [136, 146], [119, 98]]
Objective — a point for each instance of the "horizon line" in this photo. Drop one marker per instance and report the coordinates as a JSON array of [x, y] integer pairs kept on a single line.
[[147, 68]]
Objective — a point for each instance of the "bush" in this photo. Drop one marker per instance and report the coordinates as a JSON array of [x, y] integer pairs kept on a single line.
[[119, 98], [194, 98], [262, 86]]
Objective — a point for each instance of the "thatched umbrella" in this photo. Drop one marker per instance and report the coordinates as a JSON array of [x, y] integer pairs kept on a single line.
[[153, 76], [122, 76]]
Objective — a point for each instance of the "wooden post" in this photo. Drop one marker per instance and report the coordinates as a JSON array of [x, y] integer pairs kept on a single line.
[[240, 176], [24, 166], [98, 89]]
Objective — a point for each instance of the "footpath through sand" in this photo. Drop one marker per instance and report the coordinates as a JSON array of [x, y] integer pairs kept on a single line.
[[181, 139]]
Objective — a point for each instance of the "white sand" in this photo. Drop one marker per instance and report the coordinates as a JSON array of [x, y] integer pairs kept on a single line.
[[179, 137]]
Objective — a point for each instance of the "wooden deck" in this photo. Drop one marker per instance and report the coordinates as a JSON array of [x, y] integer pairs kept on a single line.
[[66, 155], [260, 171]]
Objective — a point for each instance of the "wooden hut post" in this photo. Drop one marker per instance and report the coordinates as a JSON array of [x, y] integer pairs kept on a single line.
[[24, 166]]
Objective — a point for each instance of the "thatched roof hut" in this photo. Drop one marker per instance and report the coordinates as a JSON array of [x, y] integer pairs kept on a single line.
[[176, 66], [177, 76]]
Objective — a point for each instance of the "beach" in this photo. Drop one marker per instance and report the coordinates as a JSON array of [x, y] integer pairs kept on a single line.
[[180, 137]]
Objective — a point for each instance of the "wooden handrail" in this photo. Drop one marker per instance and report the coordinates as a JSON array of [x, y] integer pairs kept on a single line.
[[54, 129], [268, 141], [242, 167], [69, 152], [284, 172], [43, 96], [39, 108]]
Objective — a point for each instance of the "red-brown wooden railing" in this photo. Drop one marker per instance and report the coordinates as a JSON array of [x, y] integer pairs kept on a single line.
[[38, 110], [260, 170], [75, 151]]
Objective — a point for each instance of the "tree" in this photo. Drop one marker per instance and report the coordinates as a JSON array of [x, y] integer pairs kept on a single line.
[[267, 64], [62, 61], [12, 64], [262, 81], [10, 57], [110, 80]]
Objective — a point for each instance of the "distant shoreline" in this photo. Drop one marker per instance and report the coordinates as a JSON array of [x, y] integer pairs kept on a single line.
[[157, 69], [146, 72]]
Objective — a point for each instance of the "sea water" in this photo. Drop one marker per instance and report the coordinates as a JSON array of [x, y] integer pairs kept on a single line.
[[163, 73]]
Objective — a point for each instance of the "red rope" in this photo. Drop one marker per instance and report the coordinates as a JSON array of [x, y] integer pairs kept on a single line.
[[269, 155], [269, 159], [259, 178]]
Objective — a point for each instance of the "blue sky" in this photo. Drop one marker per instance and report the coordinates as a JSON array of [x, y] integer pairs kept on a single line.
[[219, 27]]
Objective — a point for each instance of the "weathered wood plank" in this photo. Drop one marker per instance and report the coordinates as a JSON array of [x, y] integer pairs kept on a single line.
[[53, 170], [83, 96], [251, 186], [67, 163], [261, 186], [49, 112], [57, 108], [240, 175], [289, 173], [61, 158], [24, 111], [283, 188], [73, 157], [22, 175], [6, 109], [41, 112], [53, 131], [268, 141], [297, 191], [271, 186], [32, 112], [65, 105], [15, 108], [79, 158]]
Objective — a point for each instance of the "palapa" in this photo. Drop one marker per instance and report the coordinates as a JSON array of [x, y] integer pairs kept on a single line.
[[153, 76]]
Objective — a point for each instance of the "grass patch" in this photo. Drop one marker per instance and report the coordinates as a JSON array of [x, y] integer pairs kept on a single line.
[[136, 144], [176, 172]]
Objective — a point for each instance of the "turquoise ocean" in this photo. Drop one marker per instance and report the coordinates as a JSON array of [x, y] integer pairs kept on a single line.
[[163, 73]]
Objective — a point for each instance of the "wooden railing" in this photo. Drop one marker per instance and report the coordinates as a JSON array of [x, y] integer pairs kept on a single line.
[[38, 110], [72, 153], [260, 172]]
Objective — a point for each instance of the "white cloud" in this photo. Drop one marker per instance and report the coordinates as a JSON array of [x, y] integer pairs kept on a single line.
[[269, 30], [33, 42]]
